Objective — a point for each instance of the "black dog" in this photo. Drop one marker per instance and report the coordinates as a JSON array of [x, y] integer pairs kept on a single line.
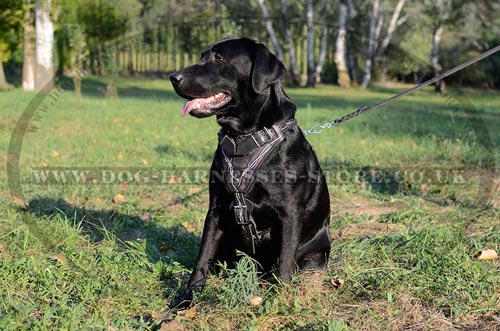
[[268, 195]]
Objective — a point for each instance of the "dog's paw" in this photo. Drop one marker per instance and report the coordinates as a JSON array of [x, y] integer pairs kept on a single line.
[[183, 301]]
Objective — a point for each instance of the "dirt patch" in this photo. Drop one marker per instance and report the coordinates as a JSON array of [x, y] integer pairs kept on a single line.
[[367, 230], [312, 284], [360, 206], [477, 227], [370, 209], [472, 322], [405, 313], [409, 313]]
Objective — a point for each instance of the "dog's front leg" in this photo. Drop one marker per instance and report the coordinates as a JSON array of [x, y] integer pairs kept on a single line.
[[209, 244], [290, 235]]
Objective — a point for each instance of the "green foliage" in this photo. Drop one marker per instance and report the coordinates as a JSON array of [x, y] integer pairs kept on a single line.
[[70, 36], [104, 21], [107, 20], [11, 18]]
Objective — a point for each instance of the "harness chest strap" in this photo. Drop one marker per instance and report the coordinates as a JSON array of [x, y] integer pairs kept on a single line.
[[243, 156]]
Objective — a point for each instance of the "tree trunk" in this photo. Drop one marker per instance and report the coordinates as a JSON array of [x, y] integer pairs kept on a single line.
[[270, 30], [77, 75], [28, 80], [351, 61], [340, 47], [372, 43], [3, 80], [393, 24], [436, 67], [290, 44], [442, 12], [100, 57], [311, 81], [324, 44], [44, 67]]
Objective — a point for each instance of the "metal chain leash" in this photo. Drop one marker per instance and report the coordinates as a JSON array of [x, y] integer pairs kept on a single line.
[[318, 128]]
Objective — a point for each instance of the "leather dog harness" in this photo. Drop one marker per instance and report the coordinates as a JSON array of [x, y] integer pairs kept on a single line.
[[243, 156]]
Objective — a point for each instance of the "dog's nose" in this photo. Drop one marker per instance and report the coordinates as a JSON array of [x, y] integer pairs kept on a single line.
[[176, 77]]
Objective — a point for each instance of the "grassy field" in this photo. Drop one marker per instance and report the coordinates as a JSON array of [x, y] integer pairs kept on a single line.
[[404, 250]]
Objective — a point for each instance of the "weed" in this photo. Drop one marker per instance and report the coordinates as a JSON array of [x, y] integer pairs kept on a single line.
[[238, 283]]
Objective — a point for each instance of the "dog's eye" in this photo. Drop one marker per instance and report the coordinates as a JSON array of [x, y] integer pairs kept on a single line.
[[218, 58]]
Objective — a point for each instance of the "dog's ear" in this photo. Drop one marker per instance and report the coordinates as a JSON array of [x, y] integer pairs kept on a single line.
[[266, 70]]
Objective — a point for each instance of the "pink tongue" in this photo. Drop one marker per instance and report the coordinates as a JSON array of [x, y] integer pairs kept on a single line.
[[191, 104]]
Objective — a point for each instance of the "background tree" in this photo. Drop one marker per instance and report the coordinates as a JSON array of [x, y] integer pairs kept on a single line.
[[375, 47], [442, 13], [314, 68], [44, 30], [71, 45], [106, 20], [350, 42], [323, 42], [315, 39], [290, 43], [487, 36], [270, 30], [343, 78], [11, 19], [28, 78]]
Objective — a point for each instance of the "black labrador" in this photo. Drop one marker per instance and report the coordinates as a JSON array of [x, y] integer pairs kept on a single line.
[[268, 194]]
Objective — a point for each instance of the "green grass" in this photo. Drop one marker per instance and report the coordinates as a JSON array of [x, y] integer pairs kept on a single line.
[[405, 250]]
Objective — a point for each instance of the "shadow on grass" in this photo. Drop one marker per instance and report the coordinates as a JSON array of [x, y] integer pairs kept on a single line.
[[96, 88], [171, 245], [380, 180], [450, 117], [162, 243], [438, 185]]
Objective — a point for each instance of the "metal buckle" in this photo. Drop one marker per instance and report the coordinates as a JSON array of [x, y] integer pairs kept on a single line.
[[240, 213], [271, 134]]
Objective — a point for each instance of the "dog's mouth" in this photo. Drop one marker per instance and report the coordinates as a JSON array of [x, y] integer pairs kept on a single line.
[[206, 106]]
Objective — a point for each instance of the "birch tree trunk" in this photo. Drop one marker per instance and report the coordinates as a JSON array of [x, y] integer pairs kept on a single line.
[[441, 15], [340, 49], [372, 43], [290, 44], [393, 24], [311, 81], [270, 30], [44, 29], [324, 44], [376, 49], [434, 58], [28, 79]]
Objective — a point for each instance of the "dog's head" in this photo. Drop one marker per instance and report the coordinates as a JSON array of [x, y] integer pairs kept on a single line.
[[232, 80]]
